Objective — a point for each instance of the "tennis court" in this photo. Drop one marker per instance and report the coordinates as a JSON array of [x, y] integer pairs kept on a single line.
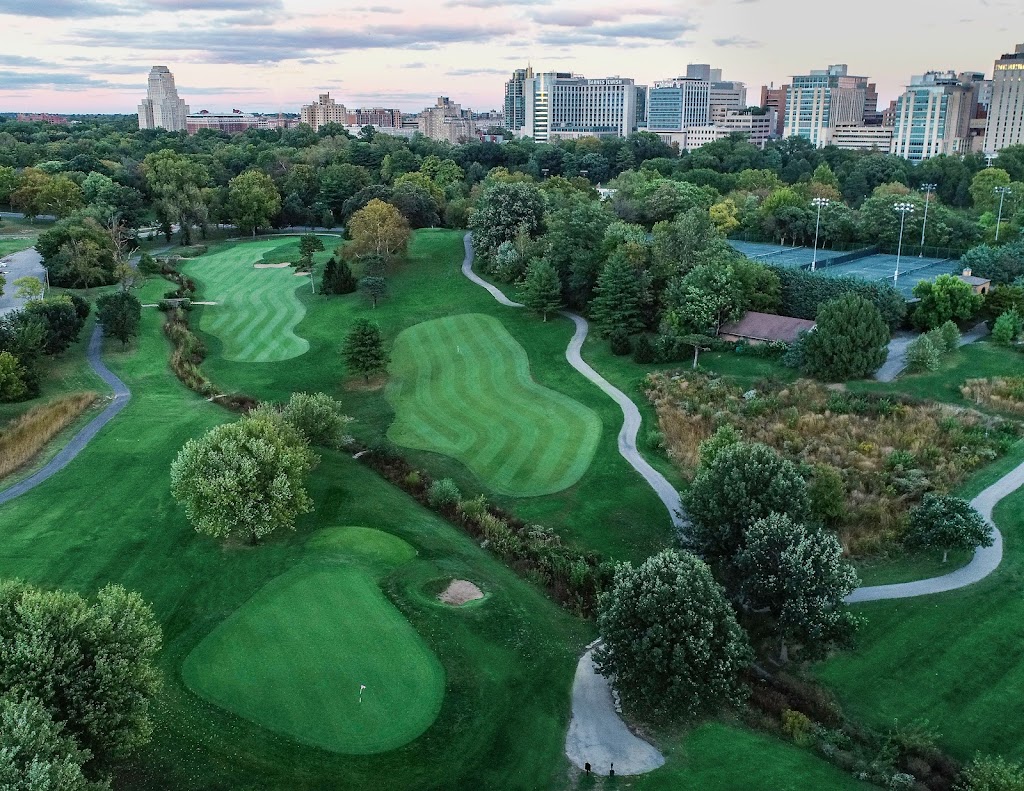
[[882, 267], [781, 255]]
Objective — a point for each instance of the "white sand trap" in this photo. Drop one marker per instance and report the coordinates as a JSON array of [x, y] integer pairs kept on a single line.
[[459, 592], [302, 274], [272, 266]]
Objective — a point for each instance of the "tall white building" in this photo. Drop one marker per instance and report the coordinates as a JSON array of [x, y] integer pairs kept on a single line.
[[162, 109], [446, 120], [673, 105], [1006, 110], [323, 111], [818, 102], [933, 116], [560, 105]]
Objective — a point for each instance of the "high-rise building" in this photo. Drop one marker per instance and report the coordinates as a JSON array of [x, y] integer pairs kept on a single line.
[[446, 120], [933, 116], [673, 105], [818, 102], [560, 105], [773, 98], [375, 116], [1006, 110], [862, 137], [515, 99], [162, 109], [703, 71], [323, 111]]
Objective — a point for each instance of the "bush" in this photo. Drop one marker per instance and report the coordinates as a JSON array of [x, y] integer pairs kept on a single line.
[[922, 354], [443, 494], [620, 343], [803, 294], [318, 417], [950, 336], [643, 350], [991, 773], [192, 251], [797, 726], [1007, 327]]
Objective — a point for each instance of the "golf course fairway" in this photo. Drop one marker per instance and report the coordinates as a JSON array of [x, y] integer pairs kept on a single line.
[[257, 309], [293, 658], [461, 386]]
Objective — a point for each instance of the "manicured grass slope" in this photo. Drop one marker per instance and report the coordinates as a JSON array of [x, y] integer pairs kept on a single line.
[[719, 757], [257, 309], [319, 632], [461, 386], [952, 658], [610, 509]]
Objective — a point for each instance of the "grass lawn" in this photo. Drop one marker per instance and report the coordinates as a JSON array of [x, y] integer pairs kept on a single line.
[[952, 658], [721, 757], [610, 509], [257, 309], [977, 360], [320, 631], [461, 386], [108, 517]]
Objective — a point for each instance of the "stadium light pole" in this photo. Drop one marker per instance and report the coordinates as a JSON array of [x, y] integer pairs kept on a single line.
[[903, 209], [819, 202], [928, 189], [1002, 192]]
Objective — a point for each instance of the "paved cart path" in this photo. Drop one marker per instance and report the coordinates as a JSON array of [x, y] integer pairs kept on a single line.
[[91, 429]]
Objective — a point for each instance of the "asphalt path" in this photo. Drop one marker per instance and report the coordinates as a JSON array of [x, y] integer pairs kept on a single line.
[[90, 430], [21, 264]]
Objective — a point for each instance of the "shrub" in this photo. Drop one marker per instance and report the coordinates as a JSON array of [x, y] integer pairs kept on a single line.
[[991, 773], [318, 417], [950, 336], [443, 494], [620, 342], [803, 293], [797, 726], [922, 354], [13, 385], [1007, 327], [643, 350], [413, 480]]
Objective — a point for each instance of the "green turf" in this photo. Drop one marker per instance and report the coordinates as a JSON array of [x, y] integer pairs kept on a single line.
[[610, 509], [720, 757], [952, 658], [320, 631], [461, 386], [257, 309]]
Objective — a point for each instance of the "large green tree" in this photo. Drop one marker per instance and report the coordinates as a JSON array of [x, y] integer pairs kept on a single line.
[[948, 523], [175, 182], [542, 291], [796, 576], [120, 314], [618, 303], [947, 298], [744, 482], [378, 229], [90, 664], [504, 211], [670, 639], [244, 480], [253, 200], [850, 341]]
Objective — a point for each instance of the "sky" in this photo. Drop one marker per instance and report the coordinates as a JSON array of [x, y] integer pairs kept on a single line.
[[83, 56]]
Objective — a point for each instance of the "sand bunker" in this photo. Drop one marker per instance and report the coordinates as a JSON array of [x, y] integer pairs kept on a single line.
[[272, 266], [460, 592]]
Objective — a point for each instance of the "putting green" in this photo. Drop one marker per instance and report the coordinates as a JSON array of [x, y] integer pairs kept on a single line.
[[257, 309], [293, 657], [461, 386]]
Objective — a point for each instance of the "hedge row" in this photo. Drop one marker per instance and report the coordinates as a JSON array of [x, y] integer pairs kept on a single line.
[[804, 292]]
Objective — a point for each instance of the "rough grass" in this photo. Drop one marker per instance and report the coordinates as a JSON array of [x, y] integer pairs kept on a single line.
[[1001, 393], [320, 631], [952, 658], [25, 436], [461, 386], [257, 309], [887, 453]]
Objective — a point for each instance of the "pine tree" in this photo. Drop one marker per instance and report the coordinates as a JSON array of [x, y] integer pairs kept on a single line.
[[338, 278], [850, 341], [364, 349], [542, 290], [618, 303]]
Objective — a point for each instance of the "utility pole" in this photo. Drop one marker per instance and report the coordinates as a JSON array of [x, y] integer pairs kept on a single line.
[[903, 209], [928, 189], [1002, 192], [819, 202]]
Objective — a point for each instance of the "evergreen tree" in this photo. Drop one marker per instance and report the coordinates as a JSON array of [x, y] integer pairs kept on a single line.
[[850, 341], [338, 278], [618, 304], [542, 291], [364, 351], [375, 288]]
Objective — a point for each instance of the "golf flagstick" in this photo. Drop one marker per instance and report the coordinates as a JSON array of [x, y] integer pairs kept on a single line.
[[361, 688]]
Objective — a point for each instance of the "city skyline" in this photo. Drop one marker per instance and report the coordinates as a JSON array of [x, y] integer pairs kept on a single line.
[[268, 55]]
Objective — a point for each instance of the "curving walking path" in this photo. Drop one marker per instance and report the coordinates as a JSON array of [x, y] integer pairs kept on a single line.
[[631, 418], [91, 429]]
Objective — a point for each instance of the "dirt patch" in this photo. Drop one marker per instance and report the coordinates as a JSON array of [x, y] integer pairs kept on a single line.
[[302, 274], [459, 592], [359, 385], [282, 265]]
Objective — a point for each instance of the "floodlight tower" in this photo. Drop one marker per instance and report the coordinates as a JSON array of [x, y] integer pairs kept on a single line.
[[903, 209], [819, 202], [1002, 192], [927, 189]]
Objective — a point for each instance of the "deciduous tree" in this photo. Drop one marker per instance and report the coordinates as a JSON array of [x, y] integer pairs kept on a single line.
[[947, 298], [670, 639], [244, 480], [948, 523], [253, 200], [378, 228], [37, 754], [120, 314]]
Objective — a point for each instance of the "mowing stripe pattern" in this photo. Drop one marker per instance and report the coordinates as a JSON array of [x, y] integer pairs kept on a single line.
[[257, 310], [461, 386]]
